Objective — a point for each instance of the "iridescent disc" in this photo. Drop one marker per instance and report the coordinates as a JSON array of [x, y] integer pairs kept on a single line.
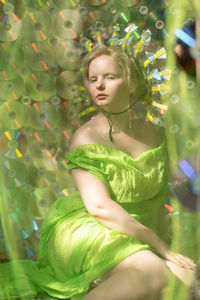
[[43, 148], [68, 55], [42, 199], [13, 10], [11, 85], [12, 115], [37, 25], [39, 56], [11, 57], [97, 2], [24, 71], [83, 10], [63, 177], [10, 32], [159, 24], [54, 41], [127, 3], [67, 114], [63, 4], [68, 24], [39, 86], [40, 177], [25, 219], [13, 144], [144, 10], [65, 85], [14, 172], [41, 116], [96, 16], [37, 4]]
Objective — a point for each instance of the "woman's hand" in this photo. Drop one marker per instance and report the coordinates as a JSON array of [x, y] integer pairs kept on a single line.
[[180, 260]]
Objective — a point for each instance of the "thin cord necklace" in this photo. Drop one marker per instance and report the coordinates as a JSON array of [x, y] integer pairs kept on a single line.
[[108, 114]]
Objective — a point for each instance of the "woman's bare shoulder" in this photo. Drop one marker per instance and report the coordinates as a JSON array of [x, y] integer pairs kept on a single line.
[[158, 133], [85, 134], [152, 131]]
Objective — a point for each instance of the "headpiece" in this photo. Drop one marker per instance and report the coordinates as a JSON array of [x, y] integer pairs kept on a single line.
[[136, 43]]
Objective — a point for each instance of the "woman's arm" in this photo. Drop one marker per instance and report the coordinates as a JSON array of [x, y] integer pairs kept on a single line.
[[109, 213]]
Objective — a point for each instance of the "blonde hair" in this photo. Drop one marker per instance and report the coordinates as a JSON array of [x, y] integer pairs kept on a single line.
[[115, 51], [132, 70]]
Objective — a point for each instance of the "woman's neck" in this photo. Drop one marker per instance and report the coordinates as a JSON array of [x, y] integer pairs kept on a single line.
[[120, 121]]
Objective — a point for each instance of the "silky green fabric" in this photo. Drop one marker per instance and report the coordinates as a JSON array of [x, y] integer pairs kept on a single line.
[[76, 249]]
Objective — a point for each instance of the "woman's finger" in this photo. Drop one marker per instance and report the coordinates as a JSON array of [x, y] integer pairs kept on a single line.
[[182, 260], [186, 260]]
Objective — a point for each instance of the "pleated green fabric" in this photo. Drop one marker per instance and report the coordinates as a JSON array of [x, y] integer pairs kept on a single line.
[[75, 249]]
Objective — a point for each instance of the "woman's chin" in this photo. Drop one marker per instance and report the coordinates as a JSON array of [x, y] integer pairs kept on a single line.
[[102, 103]]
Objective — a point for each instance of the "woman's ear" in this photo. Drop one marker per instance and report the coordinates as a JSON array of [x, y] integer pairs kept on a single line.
[[132, 86]]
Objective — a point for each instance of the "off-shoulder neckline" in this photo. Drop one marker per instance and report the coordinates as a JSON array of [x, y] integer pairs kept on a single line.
[[118, 150]]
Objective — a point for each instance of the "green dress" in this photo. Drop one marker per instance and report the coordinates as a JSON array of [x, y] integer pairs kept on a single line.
[[75, 249]]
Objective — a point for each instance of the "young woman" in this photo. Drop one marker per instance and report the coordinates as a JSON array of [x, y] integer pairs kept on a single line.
[[101, 242], [121, 142]]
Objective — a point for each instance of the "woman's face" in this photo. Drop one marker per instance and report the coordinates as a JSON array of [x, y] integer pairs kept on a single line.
[[107, 85]]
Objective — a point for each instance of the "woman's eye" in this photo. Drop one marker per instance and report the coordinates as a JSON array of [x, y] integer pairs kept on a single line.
[[111, 77]]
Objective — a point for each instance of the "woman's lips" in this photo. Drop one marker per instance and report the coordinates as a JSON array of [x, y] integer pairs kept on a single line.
[[101, 96]]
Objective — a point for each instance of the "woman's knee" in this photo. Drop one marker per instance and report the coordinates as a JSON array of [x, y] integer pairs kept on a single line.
[[158, 271], [144, 263], [119, 286], [152, 266]]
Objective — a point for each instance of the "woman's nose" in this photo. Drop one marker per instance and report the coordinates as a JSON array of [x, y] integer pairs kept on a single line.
[[100, 85]]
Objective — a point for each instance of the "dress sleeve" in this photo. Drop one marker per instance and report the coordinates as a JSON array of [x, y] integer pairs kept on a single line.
[[85, 159]]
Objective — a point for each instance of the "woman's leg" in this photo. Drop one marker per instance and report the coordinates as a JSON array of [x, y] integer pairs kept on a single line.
[[139, 276], [124, 285], [187, 276]]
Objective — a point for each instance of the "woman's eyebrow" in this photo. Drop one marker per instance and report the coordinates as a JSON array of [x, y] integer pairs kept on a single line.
[[106, 74], [112, 73]]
